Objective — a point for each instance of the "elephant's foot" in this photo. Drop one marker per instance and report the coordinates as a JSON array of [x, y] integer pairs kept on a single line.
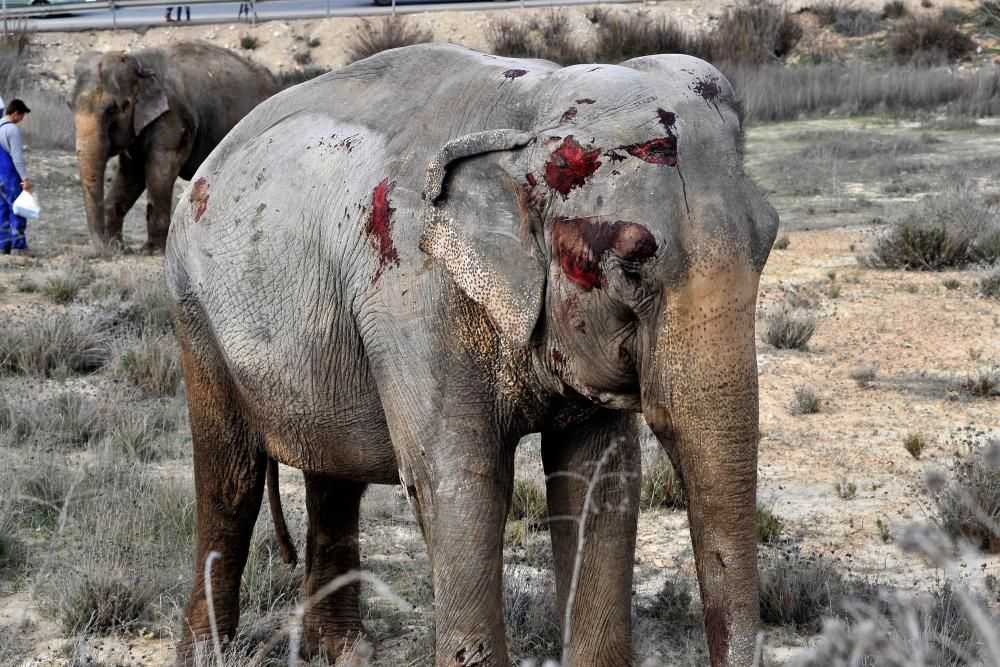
[[350, 647], [154, 247]]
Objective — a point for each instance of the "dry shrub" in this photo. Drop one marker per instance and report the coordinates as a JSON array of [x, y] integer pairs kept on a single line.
[[14, 57], [798, 590], [989, 284], [547, 37], [928, 39], [50, 124], [954, 230], [989, 13], [299, 75], [894, 9], [753, 33], [374, 36], [891, 630], [805, 402], [844, 18], [787, 330], [626, 36], [102, 605], [968, 506]]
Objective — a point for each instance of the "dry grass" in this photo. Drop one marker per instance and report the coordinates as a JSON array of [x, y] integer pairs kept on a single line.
[[152, 363], [774, 92], [661, 485], [53, 346]]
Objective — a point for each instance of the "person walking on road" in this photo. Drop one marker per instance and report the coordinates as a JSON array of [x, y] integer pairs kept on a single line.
[[179, 8], [13, 178], [245, 10]]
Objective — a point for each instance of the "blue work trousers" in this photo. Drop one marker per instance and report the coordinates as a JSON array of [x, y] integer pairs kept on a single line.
[[11, 226]]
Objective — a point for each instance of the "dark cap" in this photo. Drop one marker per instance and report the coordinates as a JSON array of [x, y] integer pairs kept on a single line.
[[16, 106]]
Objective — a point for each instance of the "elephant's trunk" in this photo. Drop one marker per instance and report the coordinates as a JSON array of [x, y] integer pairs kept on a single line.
[[92, 158], [700, 399]]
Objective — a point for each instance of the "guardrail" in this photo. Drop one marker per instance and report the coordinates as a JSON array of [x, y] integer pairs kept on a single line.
[[44, 10], [22, 14]]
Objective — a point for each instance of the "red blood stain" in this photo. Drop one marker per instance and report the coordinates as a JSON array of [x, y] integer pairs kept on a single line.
[[662, 150], [570, 166], [568, 115], [585, 100], [580, 243], [379, 228], [615, 156], [557, 355], [718, 633], [708, 89], [199, 198], [531, 179], [514, 73], [657, 151]]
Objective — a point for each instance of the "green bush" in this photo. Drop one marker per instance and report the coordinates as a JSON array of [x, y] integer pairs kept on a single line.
[[769, 525], [915, 444]]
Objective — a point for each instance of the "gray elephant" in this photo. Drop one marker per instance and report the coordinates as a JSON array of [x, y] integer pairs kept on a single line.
[[394, 272], [161, 111]]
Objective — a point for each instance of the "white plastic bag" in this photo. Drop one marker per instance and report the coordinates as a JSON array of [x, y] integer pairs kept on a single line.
[[26, 206]]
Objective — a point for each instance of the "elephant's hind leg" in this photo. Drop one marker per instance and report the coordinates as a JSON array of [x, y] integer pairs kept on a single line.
[[332, 624], [229, 467]]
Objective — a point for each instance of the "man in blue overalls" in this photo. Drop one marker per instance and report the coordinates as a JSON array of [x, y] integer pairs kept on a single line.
[[13, 178]]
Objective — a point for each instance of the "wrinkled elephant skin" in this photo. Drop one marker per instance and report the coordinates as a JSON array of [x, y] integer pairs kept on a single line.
[[161, 111], [393, 272]]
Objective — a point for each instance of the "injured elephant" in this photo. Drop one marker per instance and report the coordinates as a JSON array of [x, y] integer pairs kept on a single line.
[[388, 275], [161, 112]]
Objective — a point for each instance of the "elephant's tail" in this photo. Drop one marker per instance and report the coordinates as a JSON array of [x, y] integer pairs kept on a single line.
[[285, 545]]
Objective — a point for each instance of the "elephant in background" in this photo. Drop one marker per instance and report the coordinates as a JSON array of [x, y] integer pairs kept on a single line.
[[393, 273], [161, 111]]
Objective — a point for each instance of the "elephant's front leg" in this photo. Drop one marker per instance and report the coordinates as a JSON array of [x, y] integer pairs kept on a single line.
[[332, 625], [162, 170], [457, 470], [129, 183], [600, 455]]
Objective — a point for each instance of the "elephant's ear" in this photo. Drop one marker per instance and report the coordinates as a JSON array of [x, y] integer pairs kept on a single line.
[[475, 219], [150, 99]]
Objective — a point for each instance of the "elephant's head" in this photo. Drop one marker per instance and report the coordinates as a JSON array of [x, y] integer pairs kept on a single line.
[[621, 241], [115, 98]]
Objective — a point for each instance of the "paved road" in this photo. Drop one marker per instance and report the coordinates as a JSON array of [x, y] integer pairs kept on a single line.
[[134, 17]]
